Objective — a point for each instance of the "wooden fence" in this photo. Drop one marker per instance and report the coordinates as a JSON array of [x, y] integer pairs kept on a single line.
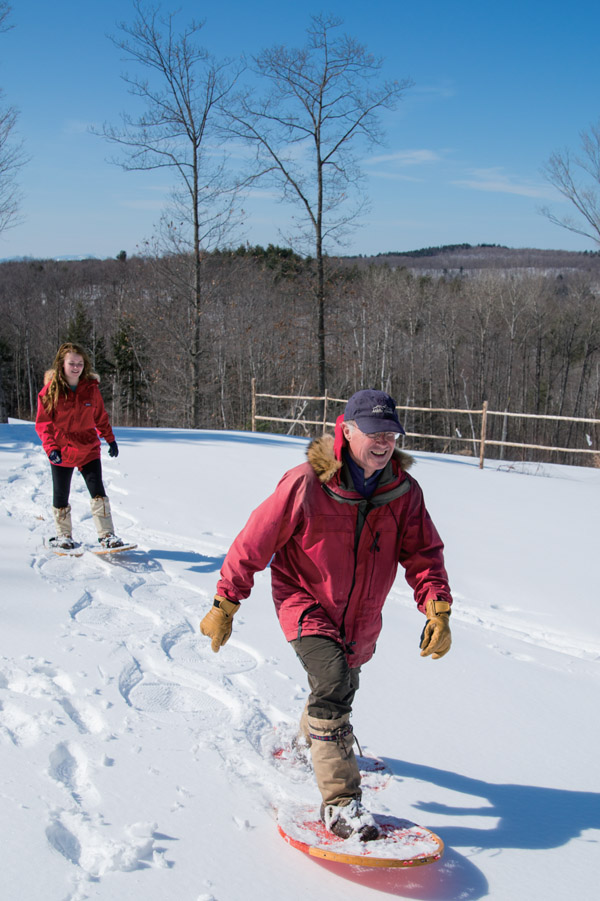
[[479, 440]]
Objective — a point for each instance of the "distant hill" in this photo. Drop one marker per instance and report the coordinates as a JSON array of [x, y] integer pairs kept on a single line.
[[65, 258], [455, 259]]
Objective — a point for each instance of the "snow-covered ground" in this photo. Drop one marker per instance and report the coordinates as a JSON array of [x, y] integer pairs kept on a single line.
[[136, 764]]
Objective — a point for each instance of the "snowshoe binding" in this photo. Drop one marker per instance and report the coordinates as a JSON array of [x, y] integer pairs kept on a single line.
[[110, 541], [350, 819], [64, 542]]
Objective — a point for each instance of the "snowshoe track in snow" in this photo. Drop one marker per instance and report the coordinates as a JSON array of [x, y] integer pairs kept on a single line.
[[162, 670]]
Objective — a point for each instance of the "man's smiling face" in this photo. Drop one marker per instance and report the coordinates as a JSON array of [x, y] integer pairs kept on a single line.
[[372, 452]]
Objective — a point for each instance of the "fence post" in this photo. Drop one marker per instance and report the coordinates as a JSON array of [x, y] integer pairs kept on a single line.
[[253, 404], [325, 412], [483, 431]]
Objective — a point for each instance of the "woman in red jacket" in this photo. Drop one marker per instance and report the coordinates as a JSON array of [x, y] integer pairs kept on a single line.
[[70, 417]]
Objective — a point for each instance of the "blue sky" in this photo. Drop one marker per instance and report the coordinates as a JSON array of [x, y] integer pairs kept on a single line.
[[498, 86]]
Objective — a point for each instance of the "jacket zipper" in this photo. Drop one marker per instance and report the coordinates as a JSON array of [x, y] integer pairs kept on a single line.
[[357, 533]]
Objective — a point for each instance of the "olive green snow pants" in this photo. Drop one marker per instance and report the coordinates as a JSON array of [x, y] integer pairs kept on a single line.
[[325, 722]]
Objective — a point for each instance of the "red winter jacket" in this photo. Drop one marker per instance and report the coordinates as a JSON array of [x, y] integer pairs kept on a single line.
[[75, 424], [335, 554]]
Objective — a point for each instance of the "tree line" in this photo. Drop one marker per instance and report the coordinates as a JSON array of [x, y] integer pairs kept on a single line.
[[525, 341]]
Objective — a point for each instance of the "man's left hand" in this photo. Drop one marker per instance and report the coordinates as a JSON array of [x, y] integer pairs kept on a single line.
[[436, 638], [218, 622]]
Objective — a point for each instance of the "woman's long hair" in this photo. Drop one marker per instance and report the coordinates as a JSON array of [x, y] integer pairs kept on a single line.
[[55, 377]]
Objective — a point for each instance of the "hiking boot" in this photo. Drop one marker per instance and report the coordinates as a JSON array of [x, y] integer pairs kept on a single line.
[[350, 819], [65, 542], [62, 521], [333, 759], [110, 541]]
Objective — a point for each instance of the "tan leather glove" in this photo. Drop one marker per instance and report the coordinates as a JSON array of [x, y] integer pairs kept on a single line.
[[218, 622], [436, 638]]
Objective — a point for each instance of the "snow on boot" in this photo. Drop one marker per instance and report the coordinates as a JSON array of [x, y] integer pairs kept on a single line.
[[300, 751], [110, 541], [65, 542], [350, 819], [302, 738]]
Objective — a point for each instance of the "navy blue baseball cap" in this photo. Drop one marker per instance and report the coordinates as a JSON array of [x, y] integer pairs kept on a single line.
[[373, 411]]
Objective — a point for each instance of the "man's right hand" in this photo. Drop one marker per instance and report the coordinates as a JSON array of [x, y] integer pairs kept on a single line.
[[218, 622], [436, 638], [55, 457]]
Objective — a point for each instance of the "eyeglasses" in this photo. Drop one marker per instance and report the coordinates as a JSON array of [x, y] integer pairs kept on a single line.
[[382, 436]]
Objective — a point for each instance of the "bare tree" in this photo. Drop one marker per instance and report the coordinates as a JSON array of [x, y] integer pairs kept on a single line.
[[12, 156], [182, 94], [577, 178], [11, 161], [320, 106]]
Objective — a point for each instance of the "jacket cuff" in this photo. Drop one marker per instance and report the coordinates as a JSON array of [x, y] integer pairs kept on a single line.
[[228, 607], [434, 607]]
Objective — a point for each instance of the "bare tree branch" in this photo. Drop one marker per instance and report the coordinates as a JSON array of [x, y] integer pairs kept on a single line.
[[178, 128], [320, 106], [565, 172], [12, 152], [4, 13], [182, 93]]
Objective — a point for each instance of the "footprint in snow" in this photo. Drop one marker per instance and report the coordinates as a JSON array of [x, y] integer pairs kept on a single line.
[[164, 700], [189, 648], [85, 717], [21, 728], [69, 766], [92, 847], [89, 611], [52, 686]]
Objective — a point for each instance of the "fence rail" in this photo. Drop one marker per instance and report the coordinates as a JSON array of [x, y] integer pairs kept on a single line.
[[481, 439]]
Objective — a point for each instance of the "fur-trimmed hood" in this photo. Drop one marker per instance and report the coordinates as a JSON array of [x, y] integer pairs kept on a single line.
[[322, 457]]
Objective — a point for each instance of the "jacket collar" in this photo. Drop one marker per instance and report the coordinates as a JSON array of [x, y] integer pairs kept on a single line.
[[326, 464]]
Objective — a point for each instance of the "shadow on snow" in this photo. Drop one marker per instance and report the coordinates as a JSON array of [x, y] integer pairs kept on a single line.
[[199, 563], [529, 817]]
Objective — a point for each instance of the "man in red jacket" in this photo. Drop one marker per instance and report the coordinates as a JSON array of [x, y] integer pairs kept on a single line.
[[335, 529]]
